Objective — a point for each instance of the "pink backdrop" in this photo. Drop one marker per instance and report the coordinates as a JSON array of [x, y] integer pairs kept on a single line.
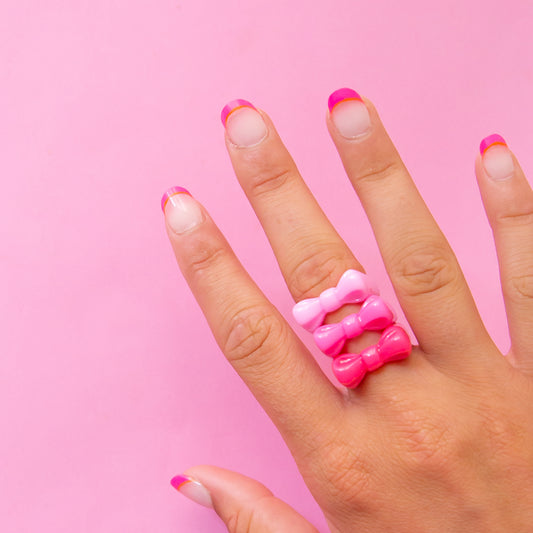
[[104, 104]]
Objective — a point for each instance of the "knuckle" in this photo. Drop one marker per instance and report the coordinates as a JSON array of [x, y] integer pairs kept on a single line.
[[424, 270], [202, 255], [351, 480], [504, 436], [252, 333], [347, 472], [379, 172], [520, 288], [517, 217], [240, 521], [269, 180], [426, 443], [425, 439], [252, 515], [318, 271]]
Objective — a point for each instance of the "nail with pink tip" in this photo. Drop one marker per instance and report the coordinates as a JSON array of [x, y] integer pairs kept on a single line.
[[349, 113], [192, 489], [182, 211], [243, 122], [497, 159]]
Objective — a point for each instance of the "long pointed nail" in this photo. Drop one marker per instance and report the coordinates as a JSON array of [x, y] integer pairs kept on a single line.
[[192, 489]]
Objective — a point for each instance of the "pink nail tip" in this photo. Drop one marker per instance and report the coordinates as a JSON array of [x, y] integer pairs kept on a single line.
[[340, 95], [179, 481], [171, 192], [394, 345], [232, 106], [489, 141]]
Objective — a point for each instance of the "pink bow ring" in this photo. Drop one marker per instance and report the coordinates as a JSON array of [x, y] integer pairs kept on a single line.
[[394, 345], [374, 315], [353, 287]]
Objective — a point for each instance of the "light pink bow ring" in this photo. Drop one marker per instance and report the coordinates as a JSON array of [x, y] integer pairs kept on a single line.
[[353, 287], [394, 345], [374, 315]]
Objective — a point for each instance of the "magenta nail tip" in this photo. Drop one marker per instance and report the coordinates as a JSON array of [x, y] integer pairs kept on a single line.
[[489, 141], [171, 192], [178, 481], [340, 95], [233, 106]]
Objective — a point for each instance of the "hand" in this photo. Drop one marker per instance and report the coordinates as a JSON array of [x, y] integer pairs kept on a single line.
[[442, 441]]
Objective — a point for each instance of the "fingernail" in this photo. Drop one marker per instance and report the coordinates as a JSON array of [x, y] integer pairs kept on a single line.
[[244, 124], [497, 158], [192, 489], [182, 211], [349, 113]]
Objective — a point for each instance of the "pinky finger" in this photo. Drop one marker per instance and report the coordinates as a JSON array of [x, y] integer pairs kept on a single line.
[[243, 504], [508, 201]]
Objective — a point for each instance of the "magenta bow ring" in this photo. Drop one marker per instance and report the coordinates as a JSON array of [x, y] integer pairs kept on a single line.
[[353, 287], [374, 315], [394, 345]]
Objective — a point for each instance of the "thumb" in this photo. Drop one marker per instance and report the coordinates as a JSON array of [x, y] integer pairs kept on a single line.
[[243, 504]]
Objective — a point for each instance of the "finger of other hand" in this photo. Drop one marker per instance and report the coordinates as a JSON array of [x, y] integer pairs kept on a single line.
[[243, 504]]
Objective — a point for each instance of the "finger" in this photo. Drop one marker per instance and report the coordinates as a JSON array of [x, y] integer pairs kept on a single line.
[[508, 201], [423, 269], [310, 253], [252, 334], [243, 504]]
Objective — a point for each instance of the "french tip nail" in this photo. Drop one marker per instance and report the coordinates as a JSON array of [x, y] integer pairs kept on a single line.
[[232, 106], [489, 141], [497, 158], [192, 489], [338, 96], [171, 192]]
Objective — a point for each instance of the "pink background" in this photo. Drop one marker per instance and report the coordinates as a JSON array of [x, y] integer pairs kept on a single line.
[[105, 104]]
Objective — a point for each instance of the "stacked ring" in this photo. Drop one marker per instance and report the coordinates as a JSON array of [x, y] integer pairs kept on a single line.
[[374, 315]]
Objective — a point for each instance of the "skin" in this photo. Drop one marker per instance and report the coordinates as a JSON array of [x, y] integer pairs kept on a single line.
[[442, 441]]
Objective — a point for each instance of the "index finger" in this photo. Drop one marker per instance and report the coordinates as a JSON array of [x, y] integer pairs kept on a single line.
[[254, 337]]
